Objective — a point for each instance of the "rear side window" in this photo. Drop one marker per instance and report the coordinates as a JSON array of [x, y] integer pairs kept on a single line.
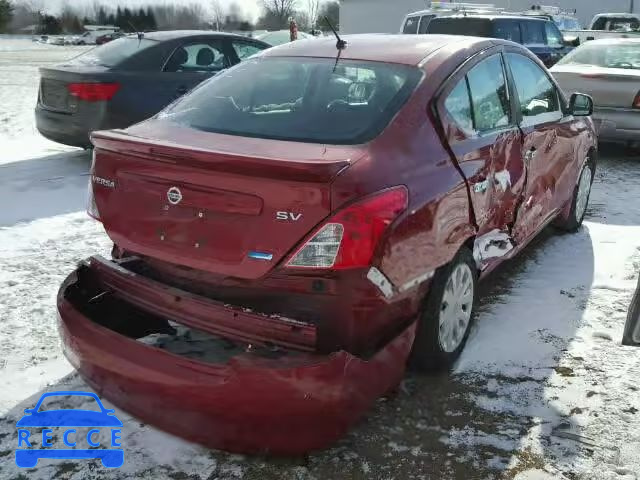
[[537, 95], [198, 57], [479, 27], [533, 33], [299, 99], [458, 104], [411, 25], [115, 52], [508, 30], [489, 95]]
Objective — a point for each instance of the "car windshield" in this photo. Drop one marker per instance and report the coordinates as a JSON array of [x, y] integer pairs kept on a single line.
[[299, 99], [478, 27], [608, 55], [112, 53]]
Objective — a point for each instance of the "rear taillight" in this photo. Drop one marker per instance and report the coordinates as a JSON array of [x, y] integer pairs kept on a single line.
[[93, 92], [636, 101], [349, 238]]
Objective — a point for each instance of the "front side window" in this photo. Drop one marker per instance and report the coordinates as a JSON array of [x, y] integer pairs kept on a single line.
[[299, 99], [554, 37], [458, 105], [537, 95], [411, 25], [245, 50], [198, 57], [489, 95], [533, 33]]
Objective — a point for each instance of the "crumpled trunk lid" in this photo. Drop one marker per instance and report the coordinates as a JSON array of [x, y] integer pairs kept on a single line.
[[229, 205]]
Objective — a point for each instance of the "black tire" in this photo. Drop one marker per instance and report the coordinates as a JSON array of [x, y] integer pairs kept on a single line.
[[573, 222], [428, 354], [632, 318]]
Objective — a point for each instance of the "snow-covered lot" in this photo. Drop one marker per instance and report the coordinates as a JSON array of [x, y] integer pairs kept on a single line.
[[544, 389]]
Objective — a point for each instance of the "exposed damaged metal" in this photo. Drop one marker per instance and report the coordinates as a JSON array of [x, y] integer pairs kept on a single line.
[[491, 245], [378, 278]]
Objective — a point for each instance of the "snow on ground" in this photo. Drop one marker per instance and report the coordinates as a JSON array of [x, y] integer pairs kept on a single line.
[[543, 391]]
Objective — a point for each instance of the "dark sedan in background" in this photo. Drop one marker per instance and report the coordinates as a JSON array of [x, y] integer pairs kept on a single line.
[[131, 79]]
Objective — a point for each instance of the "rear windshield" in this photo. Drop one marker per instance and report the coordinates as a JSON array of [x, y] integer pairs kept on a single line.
[[115, 52], [612, 55], [476, 27], [299, 99], [621, 24]]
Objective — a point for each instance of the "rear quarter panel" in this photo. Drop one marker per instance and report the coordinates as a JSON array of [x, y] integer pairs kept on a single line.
[[410, 152]]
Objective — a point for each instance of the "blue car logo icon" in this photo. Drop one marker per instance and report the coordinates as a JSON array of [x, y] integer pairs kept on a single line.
[[69, 421]]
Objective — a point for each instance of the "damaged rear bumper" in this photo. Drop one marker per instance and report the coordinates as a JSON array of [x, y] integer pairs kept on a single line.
[[283, 400]]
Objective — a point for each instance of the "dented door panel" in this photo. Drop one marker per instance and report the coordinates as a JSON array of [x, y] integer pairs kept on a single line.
[[494, 169], [491, 162], [538, 150]]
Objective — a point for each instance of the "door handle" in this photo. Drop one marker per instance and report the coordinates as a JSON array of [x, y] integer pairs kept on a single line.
[[181, 90]]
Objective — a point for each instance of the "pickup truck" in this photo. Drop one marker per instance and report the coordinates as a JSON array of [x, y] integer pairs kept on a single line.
[[610, 25]]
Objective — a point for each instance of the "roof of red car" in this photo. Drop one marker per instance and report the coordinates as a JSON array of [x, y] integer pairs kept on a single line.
[[406, 49]]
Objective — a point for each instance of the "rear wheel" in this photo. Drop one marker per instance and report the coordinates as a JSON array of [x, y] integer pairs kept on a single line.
[[580, 201], [447, 315]]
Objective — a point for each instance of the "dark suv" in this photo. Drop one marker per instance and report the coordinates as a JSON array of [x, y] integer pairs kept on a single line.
[[540, 36]]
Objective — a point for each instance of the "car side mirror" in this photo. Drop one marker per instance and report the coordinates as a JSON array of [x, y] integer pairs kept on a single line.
[[571, 41], [581, 105], [632, 328]]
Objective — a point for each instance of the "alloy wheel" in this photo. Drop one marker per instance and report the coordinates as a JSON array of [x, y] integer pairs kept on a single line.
[[455, 309]]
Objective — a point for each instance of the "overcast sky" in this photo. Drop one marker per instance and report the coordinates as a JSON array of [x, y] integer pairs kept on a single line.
[[249, 7]]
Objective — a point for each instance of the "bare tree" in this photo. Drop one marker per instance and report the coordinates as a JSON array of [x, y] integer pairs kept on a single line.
[[280, 10], [313, 7], [218, 14]]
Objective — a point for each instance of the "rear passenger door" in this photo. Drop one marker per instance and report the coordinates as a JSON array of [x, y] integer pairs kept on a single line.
[[477, 115], [547, 144], [186, 64]]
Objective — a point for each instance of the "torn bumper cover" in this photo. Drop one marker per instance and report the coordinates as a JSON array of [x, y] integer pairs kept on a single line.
[[278, 400]]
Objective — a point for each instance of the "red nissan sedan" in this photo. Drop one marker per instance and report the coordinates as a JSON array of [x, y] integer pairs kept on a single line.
[[295, 230]]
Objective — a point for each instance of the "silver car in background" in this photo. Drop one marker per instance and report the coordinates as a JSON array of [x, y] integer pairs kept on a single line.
[[609, 71]]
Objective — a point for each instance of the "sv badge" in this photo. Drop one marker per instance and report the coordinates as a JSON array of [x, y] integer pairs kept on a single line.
[[288, 216]]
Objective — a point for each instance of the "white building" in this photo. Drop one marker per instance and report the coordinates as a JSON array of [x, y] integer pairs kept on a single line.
[[385, 16]]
